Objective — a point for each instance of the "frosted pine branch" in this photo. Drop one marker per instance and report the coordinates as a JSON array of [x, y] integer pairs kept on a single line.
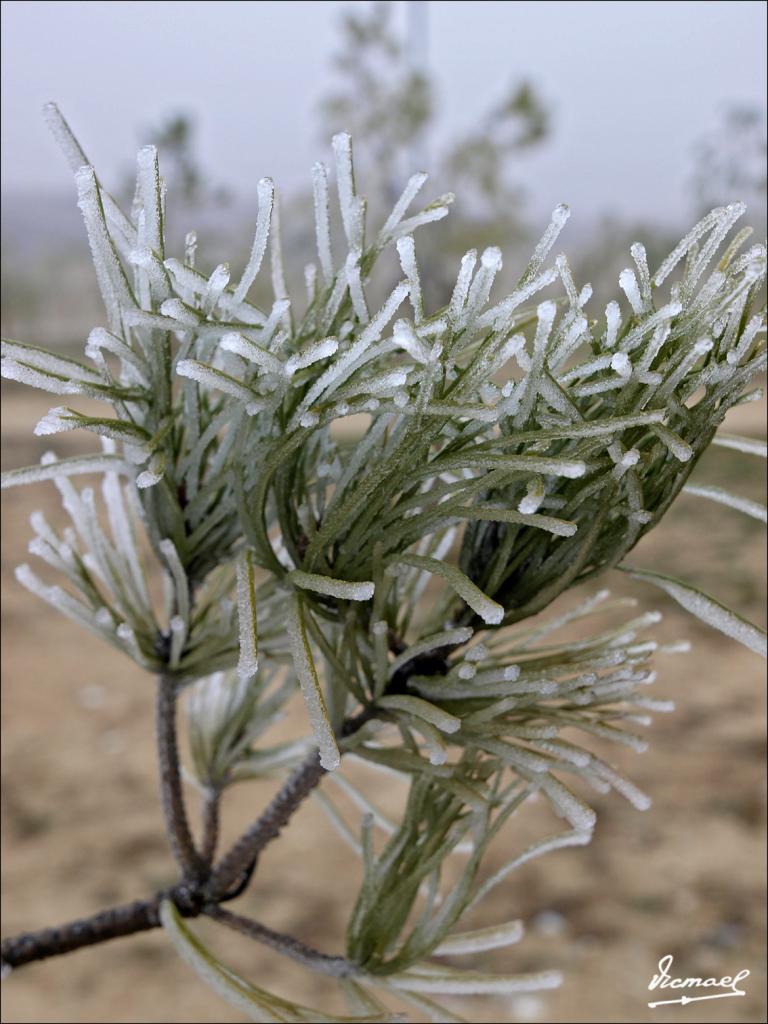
[[509, 448]]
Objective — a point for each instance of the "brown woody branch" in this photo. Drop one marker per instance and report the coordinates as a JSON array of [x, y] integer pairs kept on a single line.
[[203, 887], [267, 827], [210, 838], [128, 919], [195, 892], [176, 825], [336, 966]]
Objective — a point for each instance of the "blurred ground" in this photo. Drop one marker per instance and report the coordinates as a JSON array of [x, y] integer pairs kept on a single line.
[[82, 822]]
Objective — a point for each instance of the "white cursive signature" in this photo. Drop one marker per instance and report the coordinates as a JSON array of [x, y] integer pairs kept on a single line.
[[665, 980]]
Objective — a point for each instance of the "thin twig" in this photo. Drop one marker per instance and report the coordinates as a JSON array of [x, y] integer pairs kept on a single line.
[[176, 824], [239, 862], [87, 931], [337, 966], [113, 923], [211, 805], [267, 826]]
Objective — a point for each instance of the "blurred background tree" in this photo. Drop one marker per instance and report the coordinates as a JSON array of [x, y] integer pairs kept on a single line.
[[384, 90], [730, 162], [726, 165], [387, 99], [175, 138], [197, 199], [383, 98]]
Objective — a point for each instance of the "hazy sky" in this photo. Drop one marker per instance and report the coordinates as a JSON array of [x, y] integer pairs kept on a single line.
[[632, 85]]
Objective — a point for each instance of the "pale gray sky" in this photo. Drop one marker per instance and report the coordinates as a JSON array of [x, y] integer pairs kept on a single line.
[[632, 85]]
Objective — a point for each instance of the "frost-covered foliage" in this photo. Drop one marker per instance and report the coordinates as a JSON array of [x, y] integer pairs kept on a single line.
[[498, 453]]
